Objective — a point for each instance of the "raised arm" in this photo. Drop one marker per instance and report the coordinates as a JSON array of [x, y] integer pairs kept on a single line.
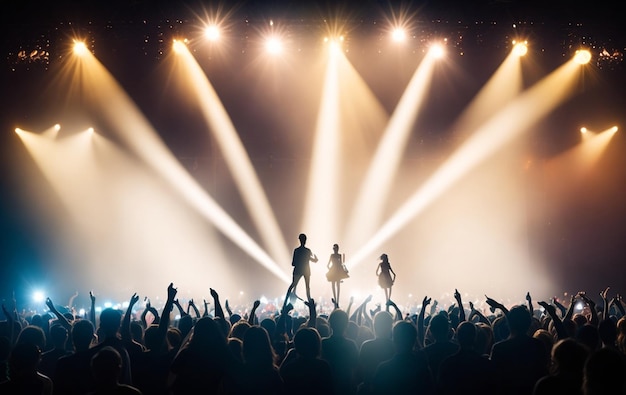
[[218, 306], [496, 305], [459, 302], [70, 302], [529, 299], [399, 316], [477, 313], [92, 310], [192, 305], [62, 320], [206, 308], [125, 329], [617, 302], [164, 323], [561, 332], [592, 307], [181, 311], [421, 334], [252, 317], [312, 313], [605, 303]]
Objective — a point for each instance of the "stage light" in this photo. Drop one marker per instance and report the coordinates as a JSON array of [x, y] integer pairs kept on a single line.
[[520, 49], [614, 129], [179, 45], [274, 45], [18, 130], [437, 50], [80, 48], [583, 130], [212, 33], [57, 127], [38, 296], [582, 56], [398, 35]]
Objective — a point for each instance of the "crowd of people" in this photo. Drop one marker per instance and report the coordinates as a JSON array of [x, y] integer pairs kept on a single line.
[[550, 348]]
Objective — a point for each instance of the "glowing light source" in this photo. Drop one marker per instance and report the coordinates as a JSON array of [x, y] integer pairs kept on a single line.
[[614, 129], [179, 45], [212, 33], [584, 130], [38, 296], [437, 50], [520, 49], [18, 130], [274, 45], [398, 35], [582, 56], [80, 48]]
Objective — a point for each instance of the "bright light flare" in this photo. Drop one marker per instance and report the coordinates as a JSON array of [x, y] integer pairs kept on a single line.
[[438, 51], [274, 45], [398, 34], [582, 56], [80, 48], [38, 296], [179, 45], [212, 33], [520, 49]]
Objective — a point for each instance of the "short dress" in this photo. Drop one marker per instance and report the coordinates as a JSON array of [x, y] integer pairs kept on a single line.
[[384, 277], [337, 271]]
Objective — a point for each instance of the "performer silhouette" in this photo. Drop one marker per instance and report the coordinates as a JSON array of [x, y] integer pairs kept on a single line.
[[384, 272], [336, 272], [300, 262]]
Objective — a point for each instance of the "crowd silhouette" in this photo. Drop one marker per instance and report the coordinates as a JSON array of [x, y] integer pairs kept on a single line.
[[551, 348]]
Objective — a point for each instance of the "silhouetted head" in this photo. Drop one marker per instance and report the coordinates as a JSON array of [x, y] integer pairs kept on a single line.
[[24, 359], [338, 321], [603, 373], [335, 247], [207, 335], [466, 334], [257, 348], [269, 325], [608, 332], [384, 258], [383, 323], [439, 327], [239, 329], [569, 356], [518, 320], [106, 365], [307, 342], [110, 321], [34, 335], [588, 335], [58, 335], [404, 336], [82, 334], [302, 238]]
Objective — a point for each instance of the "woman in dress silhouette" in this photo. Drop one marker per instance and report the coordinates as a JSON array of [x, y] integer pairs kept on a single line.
[[385, 278], [336, 272]]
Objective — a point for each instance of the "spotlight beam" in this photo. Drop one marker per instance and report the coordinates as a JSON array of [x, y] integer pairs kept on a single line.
[[236, 158], [368, 209], [103, 92], [323, 181], [508, 123]]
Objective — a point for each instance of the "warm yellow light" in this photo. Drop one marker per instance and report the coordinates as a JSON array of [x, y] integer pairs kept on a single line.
[[520, 49], [80, 48], [90, 130], [398, 35], [274, 45], [582, 56], [178, 46], [437, 50], [57, 127], [18, 130], [212, 33], [614, 129], [583, 130]]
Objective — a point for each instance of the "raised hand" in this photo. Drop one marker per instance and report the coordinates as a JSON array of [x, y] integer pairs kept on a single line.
[[457, 296], [426, 301], [133, 299], [256, 304], [92, 297], [214, 293], [528, 298], [171, 292], [50, 304]]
